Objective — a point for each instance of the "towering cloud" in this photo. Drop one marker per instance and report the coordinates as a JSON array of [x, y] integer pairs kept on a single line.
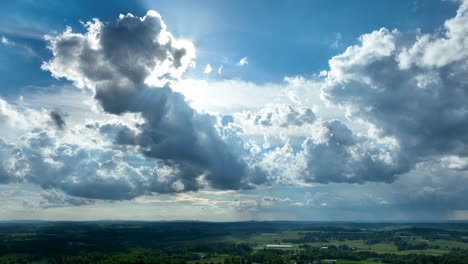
[[412, 87], [406, 88], [128, 63], [119, 59]]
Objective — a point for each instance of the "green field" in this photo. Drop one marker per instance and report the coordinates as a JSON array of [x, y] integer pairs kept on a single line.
[[258, 241]]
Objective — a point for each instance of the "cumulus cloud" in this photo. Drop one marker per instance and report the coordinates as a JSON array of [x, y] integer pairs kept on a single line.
[[411, 87], [283, 165], [280, 115], [99, 172], [333, 153], [431, 50], [16, 118], [341, 156], [128, 63], [119, 59]]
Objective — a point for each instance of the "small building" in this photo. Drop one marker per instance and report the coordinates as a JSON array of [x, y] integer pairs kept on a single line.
[[278, 246]]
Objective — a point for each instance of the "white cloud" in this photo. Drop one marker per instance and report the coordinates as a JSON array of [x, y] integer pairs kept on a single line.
[[454, 162], [336, 43], [6, 41], [17, 118], [207, 69], [430, 50], [243, 61]]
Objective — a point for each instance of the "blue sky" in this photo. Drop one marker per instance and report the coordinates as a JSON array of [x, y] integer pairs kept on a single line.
[[261, 110], [280, 38]]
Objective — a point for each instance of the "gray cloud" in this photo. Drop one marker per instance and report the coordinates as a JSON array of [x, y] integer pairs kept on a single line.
[[344, 157], [58, 119], [88, 172], [53, 198], [121, 61], [11, 163]]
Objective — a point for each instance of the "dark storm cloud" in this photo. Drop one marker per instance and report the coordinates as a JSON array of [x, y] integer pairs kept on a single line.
[[120, 61]]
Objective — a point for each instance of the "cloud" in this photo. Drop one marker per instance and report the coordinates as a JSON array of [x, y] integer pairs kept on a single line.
[[277, 123], [454, 162], [397, 82], [98, 172], [220, 70], [207, 69], [430, 50], [128, 63], [284, 116], [53, 198], [16, 119], [119, 59], [243, 61], [341, 156], [6, 41], [332, 153], [268, 200], [11, 163], [336, 43], [58, 119], [283, 165]]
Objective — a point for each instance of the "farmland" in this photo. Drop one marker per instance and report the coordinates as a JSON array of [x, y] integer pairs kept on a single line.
[[231, 243]]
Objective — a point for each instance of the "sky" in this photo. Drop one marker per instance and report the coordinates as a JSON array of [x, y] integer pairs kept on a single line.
[[320, 110]]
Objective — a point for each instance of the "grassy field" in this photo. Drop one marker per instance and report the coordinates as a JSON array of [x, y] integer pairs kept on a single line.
[[207, 261], [340, 261], [260, 240]]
